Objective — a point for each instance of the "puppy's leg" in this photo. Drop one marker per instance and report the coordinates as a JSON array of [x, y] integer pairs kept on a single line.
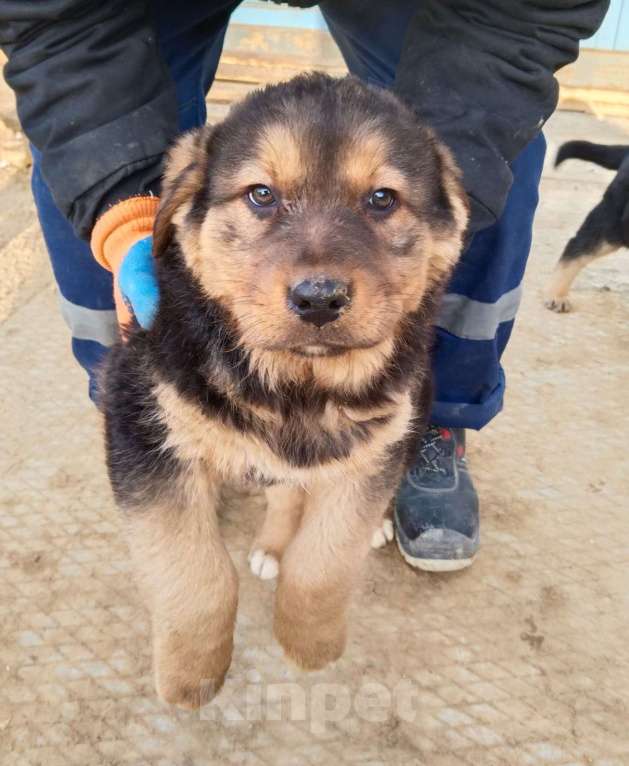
[[592, 241], [284, 510], [320, 567], [384, 531], [192, 591]]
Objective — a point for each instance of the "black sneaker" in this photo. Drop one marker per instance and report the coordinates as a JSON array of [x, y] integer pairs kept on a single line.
[[436, 508]]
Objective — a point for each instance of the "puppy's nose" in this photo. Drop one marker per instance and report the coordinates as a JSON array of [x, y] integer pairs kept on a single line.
[[319, 301]]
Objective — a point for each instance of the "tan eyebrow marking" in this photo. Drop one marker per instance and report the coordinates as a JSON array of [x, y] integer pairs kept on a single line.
[[365, 164], [278, 160], [280, 152], [251, 173]]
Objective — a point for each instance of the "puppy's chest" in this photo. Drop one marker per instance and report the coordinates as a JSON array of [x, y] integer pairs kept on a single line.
[[267, 447], [305, 440]]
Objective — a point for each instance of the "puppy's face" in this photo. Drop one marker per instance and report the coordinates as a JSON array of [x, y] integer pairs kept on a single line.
[[319, 214]]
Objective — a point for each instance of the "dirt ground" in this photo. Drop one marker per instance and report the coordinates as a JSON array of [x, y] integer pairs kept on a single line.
[[522, 659]]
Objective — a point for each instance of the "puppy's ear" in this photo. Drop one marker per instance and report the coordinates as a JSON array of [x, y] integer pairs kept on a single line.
[[184, 175], [452, 180], [449, 235]]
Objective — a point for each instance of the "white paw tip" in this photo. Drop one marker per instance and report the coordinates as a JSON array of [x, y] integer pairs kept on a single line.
[[383, 534], [263, 565]]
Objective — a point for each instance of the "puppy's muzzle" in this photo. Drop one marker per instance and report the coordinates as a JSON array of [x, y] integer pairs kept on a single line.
[[319, 301]]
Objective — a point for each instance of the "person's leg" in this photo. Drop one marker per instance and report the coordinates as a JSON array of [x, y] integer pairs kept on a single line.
[[85, 288], [370, 35], [437, 506], [479, 310], [437, 509], [191, 38]]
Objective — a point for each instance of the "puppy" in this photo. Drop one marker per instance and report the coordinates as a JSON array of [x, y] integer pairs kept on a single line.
[[606, 227], [301, 248]]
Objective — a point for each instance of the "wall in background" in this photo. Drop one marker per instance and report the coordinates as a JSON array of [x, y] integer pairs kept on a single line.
[[271, 15], [614, 32], [613, 35]]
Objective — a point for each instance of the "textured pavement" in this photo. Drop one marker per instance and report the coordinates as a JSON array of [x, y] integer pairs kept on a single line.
[[522, 659]]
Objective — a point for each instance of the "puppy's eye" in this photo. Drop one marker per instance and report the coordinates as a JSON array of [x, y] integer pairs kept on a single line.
[[382, 199], [261, 196]]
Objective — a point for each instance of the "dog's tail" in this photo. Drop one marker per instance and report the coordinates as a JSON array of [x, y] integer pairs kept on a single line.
[[609, 157]]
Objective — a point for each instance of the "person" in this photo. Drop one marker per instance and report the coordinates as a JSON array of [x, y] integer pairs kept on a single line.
[[103, 88]]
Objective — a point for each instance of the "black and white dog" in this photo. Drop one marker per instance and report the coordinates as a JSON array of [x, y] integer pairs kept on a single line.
[[605, 228]]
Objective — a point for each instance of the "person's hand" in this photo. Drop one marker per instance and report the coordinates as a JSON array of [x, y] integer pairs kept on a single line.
[[122, 242], [137, 282]]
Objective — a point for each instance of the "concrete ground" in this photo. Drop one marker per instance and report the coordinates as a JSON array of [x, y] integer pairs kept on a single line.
[[523, 659]]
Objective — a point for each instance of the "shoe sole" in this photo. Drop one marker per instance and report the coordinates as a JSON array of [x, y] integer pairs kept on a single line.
[[435, 565]]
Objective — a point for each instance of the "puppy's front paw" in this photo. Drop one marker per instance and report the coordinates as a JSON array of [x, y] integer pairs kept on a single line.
[[558, 305], [383, 534], [189, 677], [263, 565], [188, 693], [310, 646]]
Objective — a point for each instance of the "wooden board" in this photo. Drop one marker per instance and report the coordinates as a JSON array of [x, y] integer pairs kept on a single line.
[[597, 82]]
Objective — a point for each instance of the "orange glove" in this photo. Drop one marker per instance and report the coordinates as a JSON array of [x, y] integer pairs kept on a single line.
[[115, 233]]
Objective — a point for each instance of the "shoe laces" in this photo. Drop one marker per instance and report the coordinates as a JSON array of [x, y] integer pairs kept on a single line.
[[432, 452]]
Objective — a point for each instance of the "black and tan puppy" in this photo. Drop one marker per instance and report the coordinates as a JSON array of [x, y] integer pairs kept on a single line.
[[605, 228], [301, 247]]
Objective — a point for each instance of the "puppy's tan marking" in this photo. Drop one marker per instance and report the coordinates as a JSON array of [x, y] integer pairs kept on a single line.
[[319, 570], [192, 589], [183, 177], [448, 244], [351, 372], [366, 158], [198, 440], [279, 160]]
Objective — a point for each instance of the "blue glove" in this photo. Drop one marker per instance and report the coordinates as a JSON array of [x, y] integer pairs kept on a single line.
[[138, 282]]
